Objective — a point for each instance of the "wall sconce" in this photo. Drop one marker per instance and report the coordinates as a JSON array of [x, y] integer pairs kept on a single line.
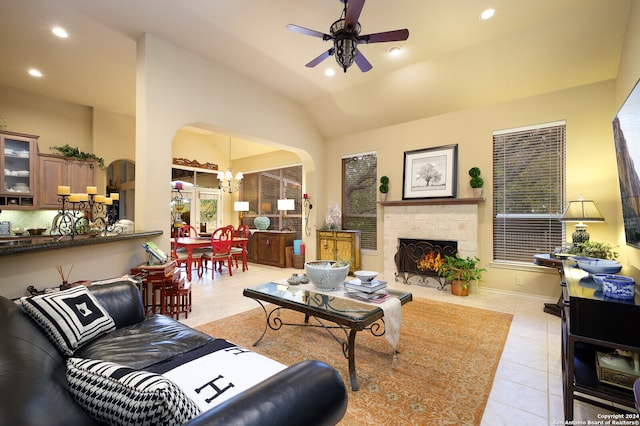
[[241, 206], [285, 205], [581, 211], [307, 211]]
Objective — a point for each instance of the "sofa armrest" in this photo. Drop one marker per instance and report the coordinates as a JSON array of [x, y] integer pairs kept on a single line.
[[307, 393]]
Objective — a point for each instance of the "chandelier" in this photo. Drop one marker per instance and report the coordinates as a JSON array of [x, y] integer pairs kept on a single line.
[[228, 183]]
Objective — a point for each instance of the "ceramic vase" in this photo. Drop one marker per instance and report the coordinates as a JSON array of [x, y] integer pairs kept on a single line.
[[262, 223]]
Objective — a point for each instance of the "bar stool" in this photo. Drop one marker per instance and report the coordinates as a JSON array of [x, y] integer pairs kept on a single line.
[[178, 296]]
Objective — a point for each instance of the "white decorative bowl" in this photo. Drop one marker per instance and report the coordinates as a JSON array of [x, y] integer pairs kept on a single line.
[[598, 266], [324, 276], [365, 276], [619, 287]]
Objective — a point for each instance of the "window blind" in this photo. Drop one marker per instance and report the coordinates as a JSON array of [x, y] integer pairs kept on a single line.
[[528, 191], [359, 192]]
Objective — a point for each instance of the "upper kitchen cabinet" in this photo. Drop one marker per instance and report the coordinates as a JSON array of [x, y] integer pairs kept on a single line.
[[54, 170], [18, 162]]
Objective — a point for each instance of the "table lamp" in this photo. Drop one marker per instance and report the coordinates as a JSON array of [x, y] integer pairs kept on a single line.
[[581, 211], [241, 206], [285, 205]]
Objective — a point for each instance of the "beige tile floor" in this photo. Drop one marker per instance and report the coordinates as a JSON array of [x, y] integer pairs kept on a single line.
[[527, 388]]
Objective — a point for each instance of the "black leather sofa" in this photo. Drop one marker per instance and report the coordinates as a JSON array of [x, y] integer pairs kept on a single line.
[[34, 389]]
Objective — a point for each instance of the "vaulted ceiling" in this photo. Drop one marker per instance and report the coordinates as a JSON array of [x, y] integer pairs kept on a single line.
[[451, 61]]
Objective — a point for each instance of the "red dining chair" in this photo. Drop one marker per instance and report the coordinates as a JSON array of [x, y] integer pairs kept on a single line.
[[221, 244], [239, 249], [180, 255]]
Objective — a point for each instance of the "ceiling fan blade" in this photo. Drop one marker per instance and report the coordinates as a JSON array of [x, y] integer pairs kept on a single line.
[[307, 31], [320, 58], [354, 7], [397, 35], [362, 62]]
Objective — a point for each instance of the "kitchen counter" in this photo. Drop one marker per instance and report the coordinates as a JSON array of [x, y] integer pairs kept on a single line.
[[31, 244]]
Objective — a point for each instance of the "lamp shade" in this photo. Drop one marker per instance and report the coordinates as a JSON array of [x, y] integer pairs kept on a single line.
[[582, 211], [241, 206], [286, 204]]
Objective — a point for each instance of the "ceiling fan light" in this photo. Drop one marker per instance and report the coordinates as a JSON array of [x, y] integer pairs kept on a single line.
[[346, 51]]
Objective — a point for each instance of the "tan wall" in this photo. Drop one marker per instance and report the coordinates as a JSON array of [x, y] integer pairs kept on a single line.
[[591, 167], [56, 122], [176, 88]]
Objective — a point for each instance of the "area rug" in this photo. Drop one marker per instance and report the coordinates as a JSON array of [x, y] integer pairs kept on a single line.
[[442, 375]]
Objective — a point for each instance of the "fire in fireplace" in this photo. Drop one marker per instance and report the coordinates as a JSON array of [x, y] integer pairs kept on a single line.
[[420, 258]]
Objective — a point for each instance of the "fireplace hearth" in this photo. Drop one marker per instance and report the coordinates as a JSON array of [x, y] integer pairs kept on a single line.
[[418, 260]]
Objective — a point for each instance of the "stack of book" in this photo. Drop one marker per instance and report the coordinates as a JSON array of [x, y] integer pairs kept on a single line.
[[372, 291]]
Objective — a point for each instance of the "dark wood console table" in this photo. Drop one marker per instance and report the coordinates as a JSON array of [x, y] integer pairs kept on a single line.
[[551, 262], [594, 323]]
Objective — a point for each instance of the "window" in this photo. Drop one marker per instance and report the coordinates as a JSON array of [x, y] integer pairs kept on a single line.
[[359, 186], [528, 191], [263, 190]]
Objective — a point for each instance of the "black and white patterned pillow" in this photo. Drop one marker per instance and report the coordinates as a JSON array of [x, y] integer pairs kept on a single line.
[[119, 395], [70, 318]]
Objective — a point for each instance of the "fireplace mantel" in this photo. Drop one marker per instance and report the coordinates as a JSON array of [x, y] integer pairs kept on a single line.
[[432, 202]]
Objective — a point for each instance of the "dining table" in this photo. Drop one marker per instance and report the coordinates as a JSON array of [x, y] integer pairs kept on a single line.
[[189, 244]]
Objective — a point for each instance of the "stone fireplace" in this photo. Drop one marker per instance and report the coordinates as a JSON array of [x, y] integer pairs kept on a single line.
[[442, 219]]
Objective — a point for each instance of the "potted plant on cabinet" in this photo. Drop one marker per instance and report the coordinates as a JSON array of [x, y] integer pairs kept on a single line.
[[460, 272], [384, 187], [476, 181]]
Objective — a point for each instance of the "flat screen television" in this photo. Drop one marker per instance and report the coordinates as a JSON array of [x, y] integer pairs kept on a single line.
[[626, 135]]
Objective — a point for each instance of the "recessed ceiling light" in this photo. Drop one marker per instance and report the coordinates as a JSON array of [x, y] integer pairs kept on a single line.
[[329, 72], [34, 72], [487, 14], [60, 32], [394, 50]]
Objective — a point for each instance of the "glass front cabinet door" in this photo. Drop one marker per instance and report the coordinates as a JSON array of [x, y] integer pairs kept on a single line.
[[18, 164]]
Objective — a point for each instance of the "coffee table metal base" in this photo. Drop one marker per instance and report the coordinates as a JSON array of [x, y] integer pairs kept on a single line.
[[274, 322]]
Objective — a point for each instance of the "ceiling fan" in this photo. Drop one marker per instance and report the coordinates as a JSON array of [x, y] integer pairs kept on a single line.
[[345, 33]]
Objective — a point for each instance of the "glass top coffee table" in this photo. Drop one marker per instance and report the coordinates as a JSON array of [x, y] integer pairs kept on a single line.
[[348, 314]]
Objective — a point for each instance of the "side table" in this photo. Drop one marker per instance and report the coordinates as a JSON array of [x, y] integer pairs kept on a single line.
[[551, 262], [156, 281]]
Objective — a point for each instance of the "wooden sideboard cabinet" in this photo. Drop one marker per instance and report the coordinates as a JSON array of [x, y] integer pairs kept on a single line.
[[54, 170], [593, 323], [268, 247], [340, 245], [17, 162]]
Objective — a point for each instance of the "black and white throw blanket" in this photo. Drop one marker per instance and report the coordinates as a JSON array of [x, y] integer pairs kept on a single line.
[[217, 371]]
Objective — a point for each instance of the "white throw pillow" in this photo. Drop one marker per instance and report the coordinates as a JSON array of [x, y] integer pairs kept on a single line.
[[70, 318]]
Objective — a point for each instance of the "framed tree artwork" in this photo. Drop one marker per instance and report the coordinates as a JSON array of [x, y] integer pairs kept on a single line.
[[430, 173]]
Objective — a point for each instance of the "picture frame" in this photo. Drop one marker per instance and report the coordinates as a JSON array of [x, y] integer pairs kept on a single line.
[[430, 173]]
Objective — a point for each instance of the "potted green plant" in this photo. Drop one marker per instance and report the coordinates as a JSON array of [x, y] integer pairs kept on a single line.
[[460, 272], [593, 249], [73, 152], [384, 187], [476, 181]]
